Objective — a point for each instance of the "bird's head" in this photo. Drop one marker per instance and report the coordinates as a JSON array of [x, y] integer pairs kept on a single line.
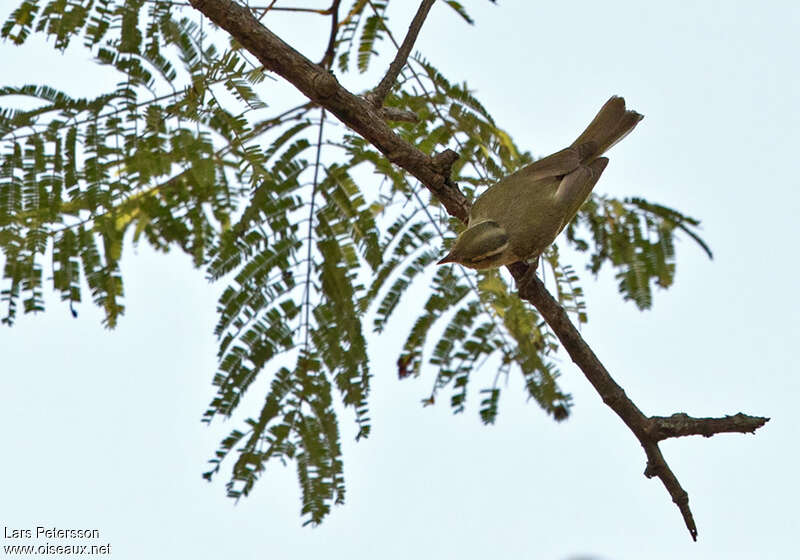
[[484, 245]]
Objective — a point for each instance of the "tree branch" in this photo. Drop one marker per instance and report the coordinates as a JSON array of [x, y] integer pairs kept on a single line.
[[327, 59], [320, 86], [379, 93], [680, 424], [433, 172], [648, 430]]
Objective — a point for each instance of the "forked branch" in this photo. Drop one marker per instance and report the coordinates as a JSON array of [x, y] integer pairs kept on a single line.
[[648, 430]]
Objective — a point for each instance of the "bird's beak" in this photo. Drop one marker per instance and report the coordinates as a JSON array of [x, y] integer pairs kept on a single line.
[[448, 258]]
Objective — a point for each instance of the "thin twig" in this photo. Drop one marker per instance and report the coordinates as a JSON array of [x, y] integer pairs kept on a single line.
[[679, 425], [265, 10], [430, 99], [382, 90], [327, 59], [310, 264]]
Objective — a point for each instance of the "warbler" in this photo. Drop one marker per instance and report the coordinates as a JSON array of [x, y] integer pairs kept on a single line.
[[517, 218]]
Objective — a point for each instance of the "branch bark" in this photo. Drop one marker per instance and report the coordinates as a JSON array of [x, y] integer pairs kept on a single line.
[[648, 430], [433, 172], [680, 424], [321, 87]]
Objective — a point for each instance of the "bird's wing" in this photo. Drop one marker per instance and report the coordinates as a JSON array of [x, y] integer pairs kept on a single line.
[[554, 165], [574, 189], [536, 182]]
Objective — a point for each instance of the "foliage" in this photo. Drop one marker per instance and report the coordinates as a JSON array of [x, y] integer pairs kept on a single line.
[[185, 153]]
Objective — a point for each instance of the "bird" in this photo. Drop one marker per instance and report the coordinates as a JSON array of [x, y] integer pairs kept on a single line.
[[517, 218]]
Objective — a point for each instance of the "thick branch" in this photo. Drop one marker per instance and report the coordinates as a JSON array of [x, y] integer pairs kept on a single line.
[[433, 172], [382, 89], [321, 87]]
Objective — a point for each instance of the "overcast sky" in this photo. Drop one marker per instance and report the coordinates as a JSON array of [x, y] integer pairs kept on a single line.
[[102, 429]]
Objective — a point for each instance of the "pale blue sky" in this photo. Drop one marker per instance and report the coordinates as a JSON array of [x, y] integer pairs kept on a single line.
[[102, 429]]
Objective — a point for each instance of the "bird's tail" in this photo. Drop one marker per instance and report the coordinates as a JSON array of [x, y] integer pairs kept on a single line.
[[611, 125]]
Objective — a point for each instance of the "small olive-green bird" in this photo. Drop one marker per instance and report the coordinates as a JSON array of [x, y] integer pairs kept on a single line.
[[517, 218]]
